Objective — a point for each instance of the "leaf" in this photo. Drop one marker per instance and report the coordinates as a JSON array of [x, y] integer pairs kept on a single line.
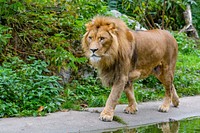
[[41, 108]]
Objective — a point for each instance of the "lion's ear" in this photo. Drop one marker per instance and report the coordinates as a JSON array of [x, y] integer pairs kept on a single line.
[[89, 26], [112, 27]]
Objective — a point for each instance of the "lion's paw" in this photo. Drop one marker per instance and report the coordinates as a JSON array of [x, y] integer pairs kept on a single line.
[[106, 116], [175, 101], [131, 109], [163, 108]]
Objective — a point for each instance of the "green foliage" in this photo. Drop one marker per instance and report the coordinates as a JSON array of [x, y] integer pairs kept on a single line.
[[188, 66], [196, 16], [187, 74], [62, 58], [4, 36], [87, 91], [119, 120], [185, 44], [49, 30], [113, 4], [155, 14], [24, 88], [46, 30]]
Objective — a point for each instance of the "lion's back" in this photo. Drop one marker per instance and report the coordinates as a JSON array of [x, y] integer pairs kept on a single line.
[[154, 46]]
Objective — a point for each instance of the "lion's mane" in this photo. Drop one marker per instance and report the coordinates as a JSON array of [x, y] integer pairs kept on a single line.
[[121, 50]]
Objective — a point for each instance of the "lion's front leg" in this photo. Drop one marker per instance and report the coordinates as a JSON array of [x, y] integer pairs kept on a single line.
[[132, 104], [108, 112]]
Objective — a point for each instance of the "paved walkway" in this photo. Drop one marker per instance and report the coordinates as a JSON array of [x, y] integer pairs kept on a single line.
[[87, 121]]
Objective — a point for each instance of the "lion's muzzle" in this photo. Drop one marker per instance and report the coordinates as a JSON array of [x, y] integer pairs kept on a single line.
[[93, 50], [95, 58]]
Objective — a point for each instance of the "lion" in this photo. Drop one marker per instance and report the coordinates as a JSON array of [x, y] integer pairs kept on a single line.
[[122, 55]]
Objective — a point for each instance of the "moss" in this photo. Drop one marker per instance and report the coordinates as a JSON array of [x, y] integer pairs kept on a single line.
[[119, 120]]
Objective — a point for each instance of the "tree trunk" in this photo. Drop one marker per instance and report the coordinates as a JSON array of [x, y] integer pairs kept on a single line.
[[189, 28]]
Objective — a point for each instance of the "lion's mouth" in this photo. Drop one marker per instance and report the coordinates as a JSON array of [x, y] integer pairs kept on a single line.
[[95, 58], [94, 55]]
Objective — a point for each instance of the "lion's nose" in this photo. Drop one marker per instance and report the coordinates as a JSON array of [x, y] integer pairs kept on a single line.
[[94, 50]]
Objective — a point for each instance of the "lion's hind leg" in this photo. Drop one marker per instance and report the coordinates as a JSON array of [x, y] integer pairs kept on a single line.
[[167, 100], [132, 105], [175, 97], [166, 77]]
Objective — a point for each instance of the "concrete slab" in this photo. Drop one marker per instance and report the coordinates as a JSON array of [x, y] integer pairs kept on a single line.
[[87, 121]]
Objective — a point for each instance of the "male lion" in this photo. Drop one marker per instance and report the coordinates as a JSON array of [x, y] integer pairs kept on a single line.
[[122, 56]]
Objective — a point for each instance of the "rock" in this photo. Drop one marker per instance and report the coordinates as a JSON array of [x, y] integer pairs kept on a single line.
[[117, 14]]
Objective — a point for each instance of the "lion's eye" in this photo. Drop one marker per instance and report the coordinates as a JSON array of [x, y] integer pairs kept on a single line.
[[90, 38], [101, 38]]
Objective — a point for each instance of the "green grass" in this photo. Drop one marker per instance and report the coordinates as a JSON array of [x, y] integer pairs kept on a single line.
[[119, 120], [188, 75]]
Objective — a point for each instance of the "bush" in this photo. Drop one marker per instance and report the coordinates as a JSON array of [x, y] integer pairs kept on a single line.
[[150, 13], [86, 91], [186, 45], [187, 74], [4, 36], [25, 90], [48, 30], [195, 15], [51, 32]]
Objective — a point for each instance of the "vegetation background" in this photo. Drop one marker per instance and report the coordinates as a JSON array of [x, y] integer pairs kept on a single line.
[[43, 69]]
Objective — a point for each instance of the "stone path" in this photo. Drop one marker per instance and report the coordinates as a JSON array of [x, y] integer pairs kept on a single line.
[[87, 121]]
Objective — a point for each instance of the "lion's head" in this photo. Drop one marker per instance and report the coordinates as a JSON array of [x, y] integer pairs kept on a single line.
[[107, 39]]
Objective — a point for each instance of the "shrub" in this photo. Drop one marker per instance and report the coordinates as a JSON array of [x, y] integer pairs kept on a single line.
[[4, 36], [186, 45], [88, 91], [48, 30], [187, 74], [25, 90], [195, 15], [154, 13]]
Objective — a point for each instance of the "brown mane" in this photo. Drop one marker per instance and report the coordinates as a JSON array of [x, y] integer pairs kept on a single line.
[[111, 69]]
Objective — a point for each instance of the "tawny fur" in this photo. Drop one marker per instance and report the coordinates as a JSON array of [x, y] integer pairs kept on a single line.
[[122, 56]]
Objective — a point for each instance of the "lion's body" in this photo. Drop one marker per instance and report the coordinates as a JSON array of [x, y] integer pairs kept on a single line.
[[154, 48], [122, 55]]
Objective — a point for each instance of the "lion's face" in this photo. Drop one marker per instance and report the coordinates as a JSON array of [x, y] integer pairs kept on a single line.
[[106, 41], [98, 44]]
